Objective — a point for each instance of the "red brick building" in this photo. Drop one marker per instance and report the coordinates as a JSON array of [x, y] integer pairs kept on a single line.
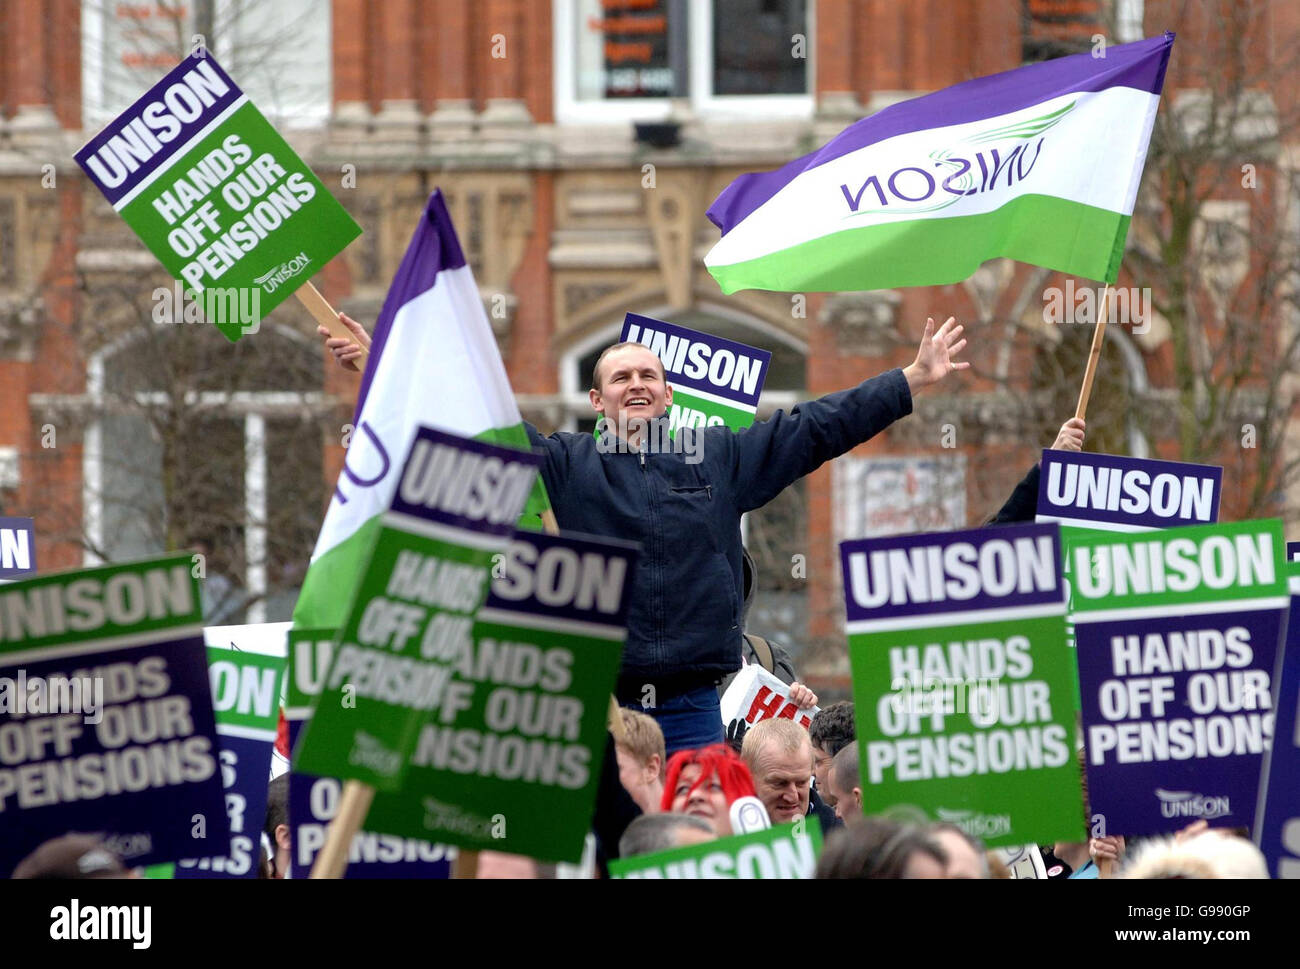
[[123, 437]]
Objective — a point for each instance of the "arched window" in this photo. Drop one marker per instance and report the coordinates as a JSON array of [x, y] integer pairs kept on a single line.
[[199, 445]]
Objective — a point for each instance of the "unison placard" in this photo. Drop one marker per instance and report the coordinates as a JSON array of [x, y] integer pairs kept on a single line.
[[786, 851], [1278, 816], [715, 381], [106, 721], [962, 680], [246, 699], [17, 548], [1109, 491], [1177, 635], [512, 760], [205, 181], [413, 610], [314, 801]]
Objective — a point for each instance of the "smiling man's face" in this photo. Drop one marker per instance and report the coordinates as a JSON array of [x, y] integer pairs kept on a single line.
[[631, 387]]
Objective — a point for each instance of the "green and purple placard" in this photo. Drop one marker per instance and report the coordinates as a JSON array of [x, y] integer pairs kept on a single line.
[[106, 713], [715, 381], [205, 181], [512, 759], [963, 682], [17, 548], [314, 801], [1277, 820], [786, 851], [246, 699], [413, 609], [1177, 635]]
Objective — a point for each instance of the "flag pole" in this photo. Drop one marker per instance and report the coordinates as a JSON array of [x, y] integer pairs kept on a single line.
[[321, 311], [1098, 336]]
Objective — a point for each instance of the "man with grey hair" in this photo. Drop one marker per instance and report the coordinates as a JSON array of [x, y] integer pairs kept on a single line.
[[845, 782], [652, 833], [779, 755]]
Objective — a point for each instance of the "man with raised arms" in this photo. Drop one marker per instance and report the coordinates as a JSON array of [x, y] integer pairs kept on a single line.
[[683, 505]]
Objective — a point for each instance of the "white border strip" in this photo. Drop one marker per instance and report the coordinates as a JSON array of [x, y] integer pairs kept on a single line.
[[127, 641], [158, 172], [251, 733], [1182, 609], [298, 714], [1132, 529], [704, 395], [927, 620], [444, 533], [528, 620]]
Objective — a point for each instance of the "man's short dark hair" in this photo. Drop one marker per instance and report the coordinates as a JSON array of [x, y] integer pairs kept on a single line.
[[832, 729], [876, 848], [847, 767], [657, 832], [277, 806]]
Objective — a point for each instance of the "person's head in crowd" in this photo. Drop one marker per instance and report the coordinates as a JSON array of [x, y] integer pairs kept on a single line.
[[779, 755], [966, 856], [629, 383], [1210, 854], [73, 856], [830, 732], [704, 783], [276, 827], [652, 833], [844, 781], [641, 760], [881, 848]]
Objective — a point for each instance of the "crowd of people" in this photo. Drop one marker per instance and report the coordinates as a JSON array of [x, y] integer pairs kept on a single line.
[[781, 774], [676, 775]]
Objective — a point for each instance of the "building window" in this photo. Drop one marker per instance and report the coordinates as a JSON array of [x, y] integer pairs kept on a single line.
[[278, 53], [194, 445], [631, 60]]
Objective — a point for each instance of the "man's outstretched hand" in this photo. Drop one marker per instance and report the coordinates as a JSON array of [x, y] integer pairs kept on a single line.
[[937, 356], [345, 351]]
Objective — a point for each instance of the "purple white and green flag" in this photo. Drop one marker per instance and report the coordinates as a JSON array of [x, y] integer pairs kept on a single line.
[[433, 361], [1039, 164]]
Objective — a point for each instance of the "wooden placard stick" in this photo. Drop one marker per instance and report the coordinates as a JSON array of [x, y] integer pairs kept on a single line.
[[324, 314], [1098, 336], [354, 804]]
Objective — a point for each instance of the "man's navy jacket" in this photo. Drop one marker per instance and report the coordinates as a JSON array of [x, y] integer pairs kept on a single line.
[[683, 623]]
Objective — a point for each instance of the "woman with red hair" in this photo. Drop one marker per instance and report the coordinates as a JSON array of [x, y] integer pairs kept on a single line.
[[706, 783]]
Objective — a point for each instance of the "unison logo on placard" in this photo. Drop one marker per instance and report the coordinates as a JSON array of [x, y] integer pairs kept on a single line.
[[1185, 804], [286, 270], [977, 825], [448, 817], [368, 752]]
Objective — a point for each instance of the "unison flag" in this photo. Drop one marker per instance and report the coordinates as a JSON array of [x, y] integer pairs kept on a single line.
[[433, 361], [1040, 164]]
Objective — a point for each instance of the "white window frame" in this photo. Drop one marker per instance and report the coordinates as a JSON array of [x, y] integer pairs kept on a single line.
[[570, 109], [255, 407], [704, 101]]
